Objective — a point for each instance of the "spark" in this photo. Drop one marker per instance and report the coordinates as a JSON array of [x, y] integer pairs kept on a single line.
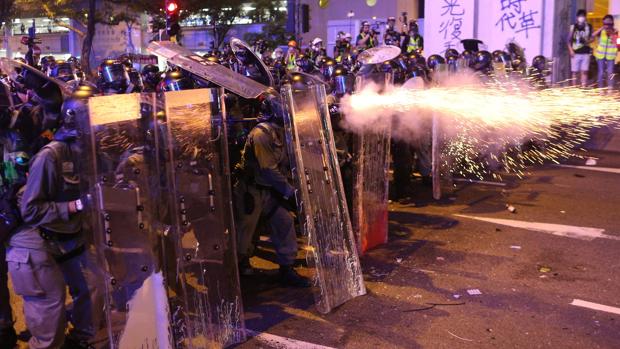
[[489, 129]]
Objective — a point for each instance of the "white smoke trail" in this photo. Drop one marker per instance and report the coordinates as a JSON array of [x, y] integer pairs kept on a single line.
[[487, 125]]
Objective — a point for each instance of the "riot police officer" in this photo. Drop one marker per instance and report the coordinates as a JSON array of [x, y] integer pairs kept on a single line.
[[263, 191], [50, 250], [150, 77], [64, 71], [113, 78], [11, 179]]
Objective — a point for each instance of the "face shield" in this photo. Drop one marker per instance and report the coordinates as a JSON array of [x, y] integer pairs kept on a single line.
[[64, 72], [114, 72]]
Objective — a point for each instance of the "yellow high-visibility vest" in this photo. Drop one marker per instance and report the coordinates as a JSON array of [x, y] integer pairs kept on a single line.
[[607, 49], [413, 44]]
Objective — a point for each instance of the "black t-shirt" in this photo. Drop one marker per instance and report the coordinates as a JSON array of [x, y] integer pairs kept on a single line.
[[580, 37]]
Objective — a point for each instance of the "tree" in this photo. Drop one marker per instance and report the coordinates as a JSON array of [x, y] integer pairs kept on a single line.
[[221, 15], [274, 30], [83, 12], [6, 10]]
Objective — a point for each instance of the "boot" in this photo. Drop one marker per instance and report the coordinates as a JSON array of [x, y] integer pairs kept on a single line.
[[290, 278]]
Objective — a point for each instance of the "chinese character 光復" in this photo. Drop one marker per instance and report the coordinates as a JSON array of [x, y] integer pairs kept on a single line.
[[450, 7]]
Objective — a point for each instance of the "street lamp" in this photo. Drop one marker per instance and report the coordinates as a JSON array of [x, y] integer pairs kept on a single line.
[[351, 14]]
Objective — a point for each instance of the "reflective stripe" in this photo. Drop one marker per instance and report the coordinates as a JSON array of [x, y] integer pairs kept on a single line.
[[606, 48]]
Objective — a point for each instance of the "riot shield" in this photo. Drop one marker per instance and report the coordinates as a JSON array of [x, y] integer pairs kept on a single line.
[[255, 68], [370, 189], [6, 99], [124, 174], [208, 312], [10, 66], [216, 73], [379, 54], [320, 196]]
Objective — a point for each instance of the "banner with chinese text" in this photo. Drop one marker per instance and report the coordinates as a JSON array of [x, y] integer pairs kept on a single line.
[[521, 21], [446, 23]]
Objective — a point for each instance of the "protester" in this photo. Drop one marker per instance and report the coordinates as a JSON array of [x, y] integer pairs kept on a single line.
[[579, 40], [606, 51]]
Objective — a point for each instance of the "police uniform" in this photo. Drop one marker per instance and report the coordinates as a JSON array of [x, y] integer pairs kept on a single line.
[[261, 191], [7, 332], [50, 251]]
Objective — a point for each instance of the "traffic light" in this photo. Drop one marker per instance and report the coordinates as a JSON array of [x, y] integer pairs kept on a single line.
[[172, 19]]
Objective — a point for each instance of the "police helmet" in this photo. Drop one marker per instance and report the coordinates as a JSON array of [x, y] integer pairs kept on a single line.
[[482, 61], [451, 53], [113, 76], [434, 61], [502, 57], [63, 70], [467, 58], [175, 81], [540, 64], [74, 110], [136, 80]]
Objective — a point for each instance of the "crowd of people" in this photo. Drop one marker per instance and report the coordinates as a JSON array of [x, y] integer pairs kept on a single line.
[[41, 203]]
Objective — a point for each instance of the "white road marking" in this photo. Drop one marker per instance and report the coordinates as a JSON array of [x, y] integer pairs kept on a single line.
[[283, 342], [498, 184], [595, 306], [593, 168], [582, 233]]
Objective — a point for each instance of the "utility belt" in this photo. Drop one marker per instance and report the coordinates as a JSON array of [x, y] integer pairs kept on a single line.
[[53, 237]]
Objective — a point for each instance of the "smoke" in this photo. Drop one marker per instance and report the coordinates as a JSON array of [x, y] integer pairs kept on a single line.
[[503, 121]]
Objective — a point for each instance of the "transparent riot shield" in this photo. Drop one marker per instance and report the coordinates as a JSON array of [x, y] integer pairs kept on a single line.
[[254, 67], [207, 312], [370, 189], [125, 178], [320, 196], [216, 73], [6, 99], [55, 86]]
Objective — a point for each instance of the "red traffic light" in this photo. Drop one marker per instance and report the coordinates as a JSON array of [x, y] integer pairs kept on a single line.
[[172, 7]]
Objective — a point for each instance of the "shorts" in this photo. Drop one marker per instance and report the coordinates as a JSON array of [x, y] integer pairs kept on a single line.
[[580, 62]]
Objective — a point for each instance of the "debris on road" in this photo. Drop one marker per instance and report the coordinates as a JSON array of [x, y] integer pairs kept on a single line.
[[578, 175], [441, 259], [544, 269], [474, 292], [591, 162], [399, 260], [562, 211], [456, 296], [461, 338], [431, 306], [511, 208], [515, 247]]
